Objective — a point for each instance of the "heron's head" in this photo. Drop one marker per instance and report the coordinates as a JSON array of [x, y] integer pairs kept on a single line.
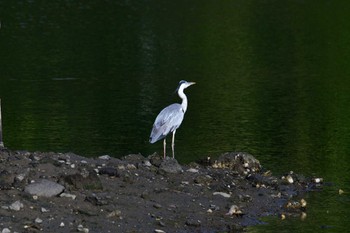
[[184, 84]]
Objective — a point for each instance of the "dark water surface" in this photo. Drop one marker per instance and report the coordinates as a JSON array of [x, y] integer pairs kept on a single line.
[[272, 80]]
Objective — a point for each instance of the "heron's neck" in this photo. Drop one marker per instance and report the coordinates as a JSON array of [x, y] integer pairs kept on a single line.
[[184, 99]]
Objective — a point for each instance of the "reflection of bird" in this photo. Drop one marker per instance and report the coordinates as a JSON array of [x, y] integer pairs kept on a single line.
[[170, 118]]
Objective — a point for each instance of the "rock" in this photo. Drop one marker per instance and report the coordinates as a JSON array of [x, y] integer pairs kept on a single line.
[[287, 179], [147, 163], [234, 210], [114, 213], [86, 179], [38, 220], [110, 171], [16, 206], [105, 157], [131, 166], [193, 223], [6, 230], [203, 179], [44, 210], [192, 170], [240, 162], [96, 200], [44, 188], [170, 165], [227, 195], [317, 180], [68, 195], [157, 206], [81, 228], [159, 231], [155, 159], [145, 195]]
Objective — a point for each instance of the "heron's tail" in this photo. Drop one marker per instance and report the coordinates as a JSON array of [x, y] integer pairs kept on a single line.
[[156, 135]]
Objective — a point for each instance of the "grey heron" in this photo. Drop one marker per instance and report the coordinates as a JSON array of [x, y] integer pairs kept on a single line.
[[170, 118]]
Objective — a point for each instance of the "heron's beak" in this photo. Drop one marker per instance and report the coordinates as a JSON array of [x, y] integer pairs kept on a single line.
[[191, 83]]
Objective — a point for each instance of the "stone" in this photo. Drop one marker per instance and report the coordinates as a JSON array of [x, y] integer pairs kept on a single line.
[[87, 180], [155, 159], [16, 206], [170, 165], [193, 170], [44, 188], [193, 223], [227, 195], [38, 220], [105, 157], [72, 196], [110, 171], [6, 230]]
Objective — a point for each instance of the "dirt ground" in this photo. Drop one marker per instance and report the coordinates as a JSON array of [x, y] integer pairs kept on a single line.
[[139, 194]]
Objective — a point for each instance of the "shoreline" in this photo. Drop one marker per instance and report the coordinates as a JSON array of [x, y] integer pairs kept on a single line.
[[65, 192]]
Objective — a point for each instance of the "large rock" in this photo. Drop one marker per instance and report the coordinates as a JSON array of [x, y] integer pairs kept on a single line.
[[170, 165], [44, 188]]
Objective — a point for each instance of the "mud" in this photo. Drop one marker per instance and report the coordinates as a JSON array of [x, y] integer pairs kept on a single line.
[[144, 194]]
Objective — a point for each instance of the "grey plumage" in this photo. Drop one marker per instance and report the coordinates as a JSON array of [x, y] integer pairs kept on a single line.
[[170, 118]]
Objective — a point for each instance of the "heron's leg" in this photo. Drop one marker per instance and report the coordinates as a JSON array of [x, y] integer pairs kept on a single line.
[[173, 143], [164, 143]]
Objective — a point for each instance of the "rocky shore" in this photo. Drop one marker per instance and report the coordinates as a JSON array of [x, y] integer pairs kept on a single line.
[[55, 192]]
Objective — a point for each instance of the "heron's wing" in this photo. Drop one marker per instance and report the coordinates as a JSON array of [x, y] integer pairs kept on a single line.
[[168, 120]]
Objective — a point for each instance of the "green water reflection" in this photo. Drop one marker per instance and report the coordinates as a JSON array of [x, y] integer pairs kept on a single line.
[[272, 79]]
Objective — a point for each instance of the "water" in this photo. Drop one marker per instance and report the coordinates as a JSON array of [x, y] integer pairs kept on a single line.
[[272, 80]]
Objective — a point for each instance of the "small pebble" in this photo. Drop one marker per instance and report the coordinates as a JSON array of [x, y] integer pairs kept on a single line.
[[68, 195], [20, 177], [234, 210], [317, 180], [147, 163], [131, 166], [81, 228], [105, 157], [227, 195], [43, 210], [161, 223], [62, 224], [193, 223], [38, 220], [115, 213], [159, 231], [289, 179], [303, 216], [303, 203], [16, 206], [193, 170]]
